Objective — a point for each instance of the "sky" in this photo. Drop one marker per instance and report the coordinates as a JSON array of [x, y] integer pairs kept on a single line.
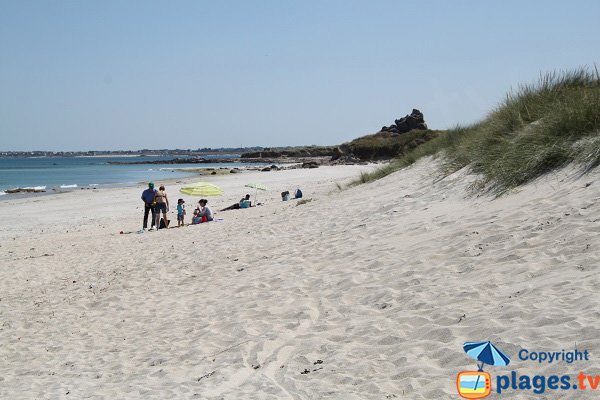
[[128, 75]]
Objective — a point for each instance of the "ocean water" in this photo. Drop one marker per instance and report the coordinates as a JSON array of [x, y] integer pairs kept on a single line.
[[76, 172]]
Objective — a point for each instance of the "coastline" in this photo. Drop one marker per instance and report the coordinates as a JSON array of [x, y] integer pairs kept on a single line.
[[60, 173], [190, 173], [221, 167]]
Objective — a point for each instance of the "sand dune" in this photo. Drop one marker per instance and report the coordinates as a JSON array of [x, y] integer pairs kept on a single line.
[[367, 293]]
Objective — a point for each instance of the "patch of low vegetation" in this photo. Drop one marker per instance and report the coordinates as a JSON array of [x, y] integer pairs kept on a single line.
[[536, 129], [386, 145], [303, 151]]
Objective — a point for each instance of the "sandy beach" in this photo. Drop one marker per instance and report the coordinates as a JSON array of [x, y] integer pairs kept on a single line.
[[365, 293]]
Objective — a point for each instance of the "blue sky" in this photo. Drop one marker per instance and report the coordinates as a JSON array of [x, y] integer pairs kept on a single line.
[[100, 75]]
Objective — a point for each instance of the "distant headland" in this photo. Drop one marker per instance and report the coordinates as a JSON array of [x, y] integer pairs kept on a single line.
[[403, 135], [131, 153]]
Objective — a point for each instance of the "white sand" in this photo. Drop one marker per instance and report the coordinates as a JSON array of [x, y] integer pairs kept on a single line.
[[372, 290]]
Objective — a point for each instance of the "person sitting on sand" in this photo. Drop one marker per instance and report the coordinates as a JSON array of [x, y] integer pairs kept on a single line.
[[196, 219], [162, 204], [298, 194], [243, 203], [148, 198], [180, 212], [204, 211], [285, 196]]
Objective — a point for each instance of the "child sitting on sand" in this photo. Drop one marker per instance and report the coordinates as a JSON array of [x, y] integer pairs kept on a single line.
[[196, 219], [180, 212]]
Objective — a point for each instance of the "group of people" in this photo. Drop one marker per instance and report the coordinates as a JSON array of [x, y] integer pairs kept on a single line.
[[157, 202]]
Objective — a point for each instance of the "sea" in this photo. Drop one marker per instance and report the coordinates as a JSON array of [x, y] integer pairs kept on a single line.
[[66, 173]]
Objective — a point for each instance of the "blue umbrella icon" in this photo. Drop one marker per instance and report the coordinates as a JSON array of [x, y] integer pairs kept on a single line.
[[485, 353]]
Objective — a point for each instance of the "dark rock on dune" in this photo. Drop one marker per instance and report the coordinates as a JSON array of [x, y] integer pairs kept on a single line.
[[415, 120], [406, 124], [266, 169]]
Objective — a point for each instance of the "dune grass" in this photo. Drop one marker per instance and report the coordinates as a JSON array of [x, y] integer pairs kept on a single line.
[[536, 129]]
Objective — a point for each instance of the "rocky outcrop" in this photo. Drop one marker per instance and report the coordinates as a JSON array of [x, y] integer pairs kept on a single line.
[[24, 190], [346, 159], [310, 164], [414, 120]]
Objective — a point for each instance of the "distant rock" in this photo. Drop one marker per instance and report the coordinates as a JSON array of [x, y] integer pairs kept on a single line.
[[415, 120], [310, 164], [347, 159], [25, 190], [337, 153]]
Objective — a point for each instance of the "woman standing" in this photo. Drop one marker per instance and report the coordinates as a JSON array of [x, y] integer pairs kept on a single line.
[[162, 204]]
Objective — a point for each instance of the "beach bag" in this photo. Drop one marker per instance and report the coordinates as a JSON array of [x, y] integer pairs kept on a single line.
[[162, 223]]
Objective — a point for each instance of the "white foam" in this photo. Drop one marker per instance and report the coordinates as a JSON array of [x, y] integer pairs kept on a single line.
[[68, 186]]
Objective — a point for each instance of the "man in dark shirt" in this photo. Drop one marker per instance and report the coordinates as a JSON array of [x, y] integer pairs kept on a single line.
[[148, 198]]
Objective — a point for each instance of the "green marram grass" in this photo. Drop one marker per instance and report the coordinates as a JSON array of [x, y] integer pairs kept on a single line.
[[536, 129]]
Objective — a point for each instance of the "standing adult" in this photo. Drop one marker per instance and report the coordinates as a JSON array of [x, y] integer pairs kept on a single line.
[[162, 204], [148, 198]]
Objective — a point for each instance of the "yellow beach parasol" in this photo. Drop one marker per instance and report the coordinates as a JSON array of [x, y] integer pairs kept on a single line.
[[201, 189]]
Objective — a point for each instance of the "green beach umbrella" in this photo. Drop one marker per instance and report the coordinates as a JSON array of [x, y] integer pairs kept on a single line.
[[257, 186], [201, 189]]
